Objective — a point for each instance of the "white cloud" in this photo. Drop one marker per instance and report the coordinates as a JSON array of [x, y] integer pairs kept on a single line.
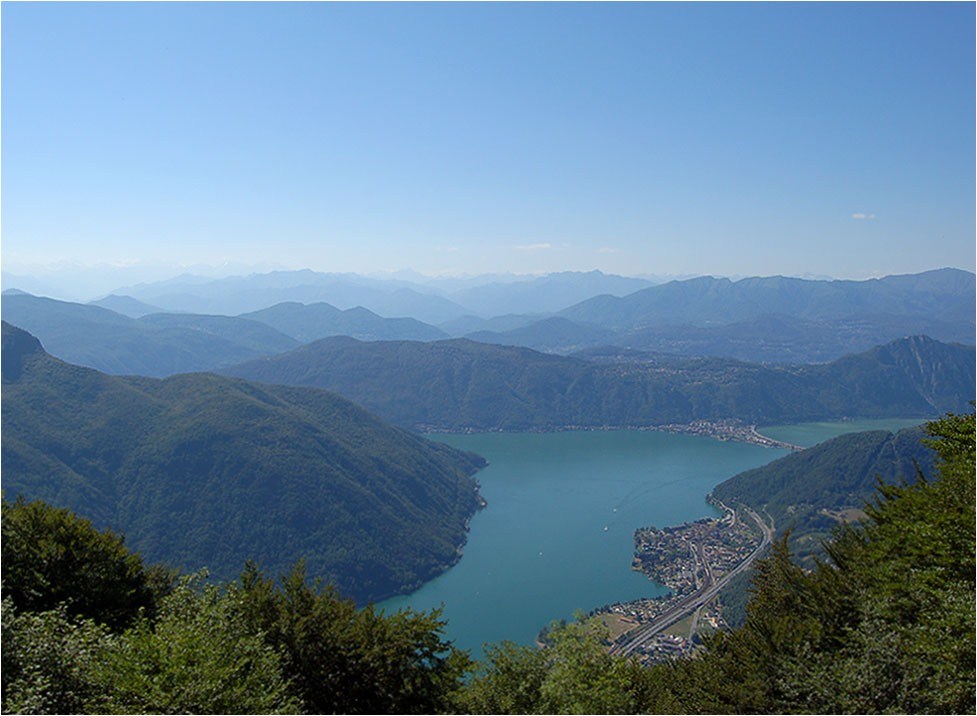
[[534, 247], [867, 217]]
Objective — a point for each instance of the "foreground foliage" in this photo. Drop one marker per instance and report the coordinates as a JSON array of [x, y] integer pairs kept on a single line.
[[885, 625], [341, 659], [53, 559]]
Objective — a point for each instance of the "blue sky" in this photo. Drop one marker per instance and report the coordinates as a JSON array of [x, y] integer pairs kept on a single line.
[[660, 138]]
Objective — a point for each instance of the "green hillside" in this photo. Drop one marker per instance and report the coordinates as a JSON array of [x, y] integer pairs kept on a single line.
[[199, 470], [811, 491], [460, 384]]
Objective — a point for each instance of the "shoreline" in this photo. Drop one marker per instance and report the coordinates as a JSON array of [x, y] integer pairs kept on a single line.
[[726, 430]]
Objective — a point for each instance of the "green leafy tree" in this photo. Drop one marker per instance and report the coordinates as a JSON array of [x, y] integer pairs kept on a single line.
[[47, 660], [574, 673], [509, 682], [53, 557], [343, 660], [199, 656], [910, 644]]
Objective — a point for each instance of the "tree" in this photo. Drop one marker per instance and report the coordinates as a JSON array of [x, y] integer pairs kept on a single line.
[[52, 557], [510, 681], [47, 660], [574, 673], [199, 656], [343, 660]]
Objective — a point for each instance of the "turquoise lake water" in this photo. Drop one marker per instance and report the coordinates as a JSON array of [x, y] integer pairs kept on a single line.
[[807, 434], [557, 535]]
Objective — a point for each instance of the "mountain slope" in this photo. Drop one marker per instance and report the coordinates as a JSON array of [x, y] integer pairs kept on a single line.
[[154, 345], [241, 294], [460, 384], [807, 492], [310, 322], [776, 338], [200, 470], [545, 294], [126, 305], [552, 335], [947, 293], [773, 319]]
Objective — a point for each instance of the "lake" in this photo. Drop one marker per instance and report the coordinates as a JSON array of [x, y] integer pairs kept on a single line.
[[557, 535]]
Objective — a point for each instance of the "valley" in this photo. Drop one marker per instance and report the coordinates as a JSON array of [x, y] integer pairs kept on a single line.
[[558, 536], [488, 358], [290, 346], [633, 486]]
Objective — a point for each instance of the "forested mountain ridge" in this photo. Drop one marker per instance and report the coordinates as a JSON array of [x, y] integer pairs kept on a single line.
[[769, 338], [553, 335], [460, 384], [200, 470]]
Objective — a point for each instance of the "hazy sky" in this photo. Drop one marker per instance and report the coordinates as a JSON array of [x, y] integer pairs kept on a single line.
[[724, 138]]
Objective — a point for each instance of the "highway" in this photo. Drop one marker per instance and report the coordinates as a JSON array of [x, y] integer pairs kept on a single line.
[[709, 588]]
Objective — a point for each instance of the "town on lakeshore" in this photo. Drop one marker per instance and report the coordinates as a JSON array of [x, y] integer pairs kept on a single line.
[[695, 561], [730, 429], [734, 430]]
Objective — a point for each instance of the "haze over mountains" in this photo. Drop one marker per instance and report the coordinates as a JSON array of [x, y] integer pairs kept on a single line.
[[154, 345], [309, 322], [773, 320]]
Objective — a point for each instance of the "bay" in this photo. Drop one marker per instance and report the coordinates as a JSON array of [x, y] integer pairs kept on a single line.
[[808, 434], [557, 534]]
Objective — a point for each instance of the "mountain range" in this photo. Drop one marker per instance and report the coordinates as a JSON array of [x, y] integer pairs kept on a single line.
[[205, 471], [309, 322], [235, 295], [461, 385], [773, 320], [161, 344], [945, 293], [154, 345]]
